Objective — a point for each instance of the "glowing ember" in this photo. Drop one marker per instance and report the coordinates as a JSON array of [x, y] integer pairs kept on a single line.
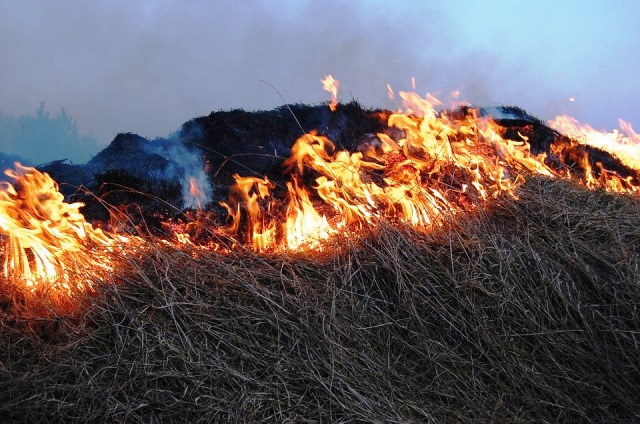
[[331, 85], [48, 241]]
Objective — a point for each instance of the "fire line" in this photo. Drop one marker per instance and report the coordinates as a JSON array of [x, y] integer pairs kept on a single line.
[[443, 164]]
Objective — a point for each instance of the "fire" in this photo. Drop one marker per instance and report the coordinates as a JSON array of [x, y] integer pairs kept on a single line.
[[625, 146], [48, 241], [196, 193], [244, 205], [330, 84], [407, 179], [390, 92], [433, 165], [445, 164], [304, 227]]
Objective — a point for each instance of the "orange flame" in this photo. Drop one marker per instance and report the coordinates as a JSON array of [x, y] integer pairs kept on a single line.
[[444, 165], [390, 92], [430, 166], [195, 192], [304, 227], [625, 146], [330, 84], [244, 205], [48, 241]]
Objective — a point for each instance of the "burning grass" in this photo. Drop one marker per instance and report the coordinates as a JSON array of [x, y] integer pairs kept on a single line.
[[50, 250], [524, 311]]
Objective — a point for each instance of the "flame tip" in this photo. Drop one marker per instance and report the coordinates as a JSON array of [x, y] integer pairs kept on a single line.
[[433, 164]]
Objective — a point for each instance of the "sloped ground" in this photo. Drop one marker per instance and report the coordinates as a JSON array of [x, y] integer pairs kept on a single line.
[[527, 312]]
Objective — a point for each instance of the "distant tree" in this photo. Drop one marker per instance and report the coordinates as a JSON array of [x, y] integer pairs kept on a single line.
[[8, 126], [41, 138]]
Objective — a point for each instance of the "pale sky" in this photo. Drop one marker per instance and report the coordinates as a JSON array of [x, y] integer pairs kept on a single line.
[[148, 66]]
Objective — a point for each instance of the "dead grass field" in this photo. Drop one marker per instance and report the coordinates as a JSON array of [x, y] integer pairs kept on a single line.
[[526, 312]]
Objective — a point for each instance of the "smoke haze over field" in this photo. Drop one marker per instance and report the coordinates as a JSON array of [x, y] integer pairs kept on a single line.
[[149, 66]]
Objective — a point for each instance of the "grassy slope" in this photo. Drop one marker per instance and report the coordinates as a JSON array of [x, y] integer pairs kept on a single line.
[[524, 312]]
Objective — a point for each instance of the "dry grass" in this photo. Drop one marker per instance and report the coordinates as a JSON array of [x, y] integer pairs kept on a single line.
[[527, 312]]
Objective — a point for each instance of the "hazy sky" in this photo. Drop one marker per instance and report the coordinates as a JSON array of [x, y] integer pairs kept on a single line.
[[148, 66]]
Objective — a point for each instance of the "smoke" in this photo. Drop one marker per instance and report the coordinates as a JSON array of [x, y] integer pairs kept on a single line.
[[147, 67], [187, 167], [42, 137]]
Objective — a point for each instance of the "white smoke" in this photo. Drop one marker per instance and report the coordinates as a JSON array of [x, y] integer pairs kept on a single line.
[[148, 66], [188, 167]]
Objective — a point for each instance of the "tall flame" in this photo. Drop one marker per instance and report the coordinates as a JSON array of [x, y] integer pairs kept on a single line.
[[304, 226], [445, 164], [244, 205], [49, 241], [431, 166], [330, 84], [197, 195]]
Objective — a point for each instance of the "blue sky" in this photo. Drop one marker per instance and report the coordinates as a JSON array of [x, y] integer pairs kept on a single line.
[[148, 66]]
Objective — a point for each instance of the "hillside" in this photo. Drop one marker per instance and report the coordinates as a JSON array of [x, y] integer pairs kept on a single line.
[[440, 268], [526, 312]]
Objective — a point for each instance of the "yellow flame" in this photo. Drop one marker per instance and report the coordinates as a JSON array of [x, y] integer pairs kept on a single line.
[[48, 240], [195, 192], [244, 201], [443, 165], [330, 84], [623, 145], [304, 226], [437, 165]]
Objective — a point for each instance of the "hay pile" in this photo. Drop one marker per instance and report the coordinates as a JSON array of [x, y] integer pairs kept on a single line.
[[526, 312]]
